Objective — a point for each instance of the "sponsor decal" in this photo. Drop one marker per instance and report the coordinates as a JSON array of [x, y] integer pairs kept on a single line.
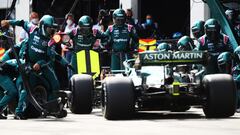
[[80, 37], [120, 40], [44, 43], [124, 31], [84, 45], [172, 57], [36, 38], [37, 50]]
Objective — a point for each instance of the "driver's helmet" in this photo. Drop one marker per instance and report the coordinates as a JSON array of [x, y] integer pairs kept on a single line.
[[85, 25], [198, 29], [212, 29], [225, 62], [185, 43], [119, 17], [163, 47], [47, 26]]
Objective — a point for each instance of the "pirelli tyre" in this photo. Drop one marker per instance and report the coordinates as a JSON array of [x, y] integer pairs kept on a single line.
[[82, 94], [220, 94], [118, 100]]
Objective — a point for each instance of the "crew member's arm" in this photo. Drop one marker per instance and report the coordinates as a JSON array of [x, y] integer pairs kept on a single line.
[[135, 39], [24, 24]]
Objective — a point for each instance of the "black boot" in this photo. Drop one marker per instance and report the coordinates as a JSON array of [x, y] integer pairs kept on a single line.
[[19, 116], [1, 116], [238, 110]]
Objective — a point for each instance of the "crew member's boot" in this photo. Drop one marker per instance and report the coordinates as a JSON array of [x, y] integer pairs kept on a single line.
[[1, 113]]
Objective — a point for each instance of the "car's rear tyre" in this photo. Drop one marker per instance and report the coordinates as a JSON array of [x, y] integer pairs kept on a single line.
[[118, 98], [220, 92], [82, 94]]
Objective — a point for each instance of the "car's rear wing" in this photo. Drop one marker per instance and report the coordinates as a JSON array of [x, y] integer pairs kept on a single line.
[[179, 57]]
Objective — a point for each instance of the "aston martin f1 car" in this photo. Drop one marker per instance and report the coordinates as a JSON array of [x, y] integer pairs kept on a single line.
[[173, 81]]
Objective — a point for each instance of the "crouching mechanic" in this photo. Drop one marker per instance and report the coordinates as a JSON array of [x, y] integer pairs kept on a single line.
[[236, 74], [185, 43], [225, 63], [163, 47], [8, 72], [39, 55], [214, 42], [198, 29], [123, 39]]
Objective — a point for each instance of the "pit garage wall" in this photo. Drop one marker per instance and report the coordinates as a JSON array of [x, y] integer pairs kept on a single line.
[[132, 4], [22, 12], [5, 4], [199, 10]]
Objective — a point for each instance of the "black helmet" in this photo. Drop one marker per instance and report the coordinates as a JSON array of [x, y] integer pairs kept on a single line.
[[85, 21], [185, 43], [47, 26], [119, 16], [212, 29], [225, 62], [85, 24], [198, 29]]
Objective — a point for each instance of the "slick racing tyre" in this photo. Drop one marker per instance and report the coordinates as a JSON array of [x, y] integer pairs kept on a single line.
[[82, 94], [118, 98], [220, 94]]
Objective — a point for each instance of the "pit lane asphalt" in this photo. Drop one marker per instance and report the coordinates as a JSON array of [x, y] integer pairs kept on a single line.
[[144, 123]]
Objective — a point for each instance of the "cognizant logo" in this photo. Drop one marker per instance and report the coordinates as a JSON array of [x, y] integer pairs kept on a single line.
[[120, 40], [37, 50]]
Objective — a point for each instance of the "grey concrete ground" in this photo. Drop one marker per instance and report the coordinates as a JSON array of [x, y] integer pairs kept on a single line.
[[145, 123]]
